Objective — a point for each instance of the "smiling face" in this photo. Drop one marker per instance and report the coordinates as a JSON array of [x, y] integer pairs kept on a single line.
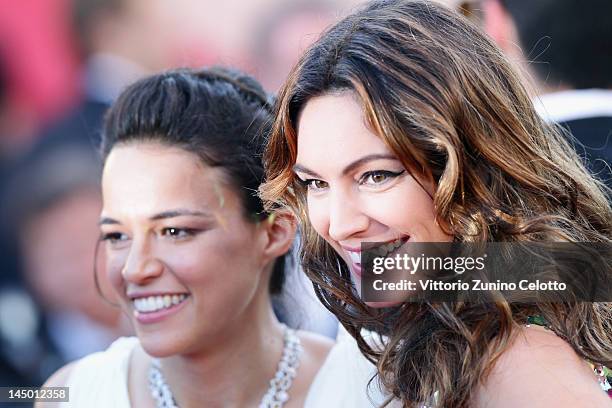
[[184, 261], [357, 190]]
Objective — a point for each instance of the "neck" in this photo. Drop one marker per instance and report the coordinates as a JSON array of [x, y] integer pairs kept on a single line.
[[221, 375]]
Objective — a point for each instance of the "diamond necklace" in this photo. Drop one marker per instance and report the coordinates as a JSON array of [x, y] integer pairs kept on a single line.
[[278, 390]]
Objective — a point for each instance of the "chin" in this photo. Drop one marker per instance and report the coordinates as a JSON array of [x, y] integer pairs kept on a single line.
[[161, 345]]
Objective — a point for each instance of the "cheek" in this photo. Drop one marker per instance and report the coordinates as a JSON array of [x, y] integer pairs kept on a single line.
[[214, 259], [406, 209], [221, 273], [113, 262], [190, 263], [318, 215]]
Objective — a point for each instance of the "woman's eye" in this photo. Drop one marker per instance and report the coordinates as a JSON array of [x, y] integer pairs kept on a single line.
[[315, 184], [114, 237], [173, 232], [374, 178]]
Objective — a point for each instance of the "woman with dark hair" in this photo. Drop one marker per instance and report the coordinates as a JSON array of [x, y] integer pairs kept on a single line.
[[192, 255], [404, 123]]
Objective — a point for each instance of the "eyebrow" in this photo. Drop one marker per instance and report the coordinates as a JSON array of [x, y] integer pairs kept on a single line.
[[161, 216], [357, 163]]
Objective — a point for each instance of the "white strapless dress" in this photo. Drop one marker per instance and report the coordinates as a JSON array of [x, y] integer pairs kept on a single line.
[[100, 379]]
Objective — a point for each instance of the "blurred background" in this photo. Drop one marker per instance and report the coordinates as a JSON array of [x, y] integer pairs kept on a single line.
[[62, 62]]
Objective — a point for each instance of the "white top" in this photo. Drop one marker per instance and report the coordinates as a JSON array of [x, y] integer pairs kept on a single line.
[[343, 378], [100, 379]]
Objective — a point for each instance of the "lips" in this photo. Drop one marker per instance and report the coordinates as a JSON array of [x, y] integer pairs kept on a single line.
[[153, 308], [383, 249], [387, 248]]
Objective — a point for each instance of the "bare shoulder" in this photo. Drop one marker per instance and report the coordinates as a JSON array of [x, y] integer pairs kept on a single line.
[[540, 369], [58, 379]]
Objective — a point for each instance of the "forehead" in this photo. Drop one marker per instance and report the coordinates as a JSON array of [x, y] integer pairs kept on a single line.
[[332, 129], [146, 178]]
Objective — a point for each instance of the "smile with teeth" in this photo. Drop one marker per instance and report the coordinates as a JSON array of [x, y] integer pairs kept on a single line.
[[151, 304], [381, 250]]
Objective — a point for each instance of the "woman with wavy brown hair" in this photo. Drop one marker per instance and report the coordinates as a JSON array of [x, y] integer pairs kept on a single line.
[[403, 122]]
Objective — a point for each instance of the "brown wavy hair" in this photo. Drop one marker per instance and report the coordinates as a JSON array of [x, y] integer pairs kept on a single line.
[[451, 108]]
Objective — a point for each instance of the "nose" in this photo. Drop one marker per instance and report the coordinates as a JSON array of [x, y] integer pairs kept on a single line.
[[141, 265], [345, 216]]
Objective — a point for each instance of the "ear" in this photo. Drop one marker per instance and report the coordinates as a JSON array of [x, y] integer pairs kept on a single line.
[[280, 228]]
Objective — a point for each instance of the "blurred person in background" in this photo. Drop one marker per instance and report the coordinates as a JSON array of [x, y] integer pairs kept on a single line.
[[50, 207], [565, 45], [119, 42], [284, 33], [122, 41], [40, 66], [39, 42], [13, 299]]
